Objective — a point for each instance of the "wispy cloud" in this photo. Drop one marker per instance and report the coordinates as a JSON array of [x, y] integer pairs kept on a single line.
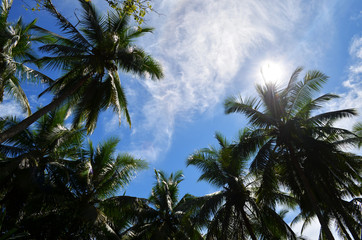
[[204, 47], [11, 108], [351, 97]]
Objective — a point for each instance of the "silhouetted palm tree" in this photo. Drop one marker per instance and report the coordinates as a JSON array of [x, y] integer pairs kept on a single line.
[[54, 188], [302, 151], [93, 183], [33, 169], [235, 212], [163, 215]]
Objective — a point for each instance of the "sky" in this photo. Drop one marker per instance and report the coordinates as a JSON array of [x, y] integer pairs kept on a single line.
[[210, 50]]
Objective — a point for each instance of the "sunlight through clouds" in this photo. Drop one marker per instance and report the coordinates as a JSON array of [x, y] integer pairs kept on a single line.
[[273, 72], [202, 46]]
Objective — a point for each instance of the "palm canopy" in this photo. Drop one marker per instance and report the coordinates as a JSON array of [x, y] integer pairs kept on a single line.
[[163, 215], [54, 188], [301, 148], [15, 48], [235, 210], [94, 182], [92, 54], [34, 166]]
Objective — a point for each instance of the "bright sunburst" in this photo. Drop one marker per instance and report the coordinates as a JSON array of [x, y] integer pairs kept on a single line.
[[272, 71]]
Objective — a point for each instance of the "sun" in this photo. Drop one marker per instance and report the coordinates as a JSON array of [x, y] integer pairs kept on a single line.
[[273, 71]]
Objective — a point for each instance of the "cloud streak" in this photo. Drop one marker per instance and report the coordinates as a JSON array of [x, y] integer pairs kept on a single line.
[[351, 97], [9, 107], [204, 47]]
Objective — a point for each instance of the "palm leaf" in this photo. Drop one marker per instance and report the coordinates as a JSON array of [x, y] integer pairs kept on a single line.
[[331, 117], [249, 107], [301, 92], [65, 25]]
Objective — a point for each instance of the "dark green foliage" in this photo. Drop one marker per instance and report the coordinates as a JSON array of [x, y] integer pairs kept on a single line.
[[235, 212], [163, 215], [303, 152], [54, 188]]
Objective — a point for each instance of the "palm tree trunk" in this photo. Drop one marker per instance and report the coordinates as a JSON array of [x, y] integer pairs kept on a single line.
[[11, 132], [248, 225], [311, 195]]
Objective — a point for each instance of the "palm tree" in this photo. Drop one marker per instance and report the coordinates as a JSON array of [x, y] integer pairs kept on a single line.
[[235, 210], [33, 163], [163, 215], [98, 176], [300, 148], [15, 49], [91, 58], [53, 188]]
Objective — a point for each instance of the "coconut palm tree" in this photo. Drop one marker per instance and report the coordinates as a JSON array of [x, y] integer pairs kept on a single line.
[[53, 188], [303, 151], [91, 53], [15, 49], [163, 215], [93, 183], [235, 210], [34, 166]]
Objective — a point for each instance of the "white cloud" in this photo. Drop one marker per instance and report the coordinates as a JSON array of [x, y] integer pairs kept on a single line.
[[351, 97], [311, 230], [204, 47], [111, 123], [11, 108]]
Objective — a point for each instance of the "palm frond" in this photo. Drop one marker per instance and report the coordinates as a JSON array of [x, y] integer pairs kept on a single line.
[[314, 104], [119, 100], [330, 117], [302, 91], [135, 60], [13, 88], [92, 22], [65, 25]]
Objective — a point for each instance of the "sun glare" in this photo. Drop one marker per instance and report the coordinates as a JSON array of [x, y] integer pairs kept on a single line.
[[272, 71]]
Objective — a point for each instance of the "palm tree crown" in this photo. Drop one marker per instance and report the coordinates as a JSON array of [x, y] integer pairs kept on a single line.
[[91, 54], [34, 168], [54, 188], [165, 216], [300, 148], [15, 49], [236, 213]]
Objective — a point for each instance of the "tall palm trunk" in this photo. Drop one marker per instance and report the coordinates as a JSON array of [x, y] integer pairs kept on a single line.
[[310, 193], [11, 132]]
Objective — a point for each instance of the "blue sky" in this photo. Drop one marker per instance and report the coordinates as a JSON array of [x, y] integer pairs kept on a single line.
[[213, 49]]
